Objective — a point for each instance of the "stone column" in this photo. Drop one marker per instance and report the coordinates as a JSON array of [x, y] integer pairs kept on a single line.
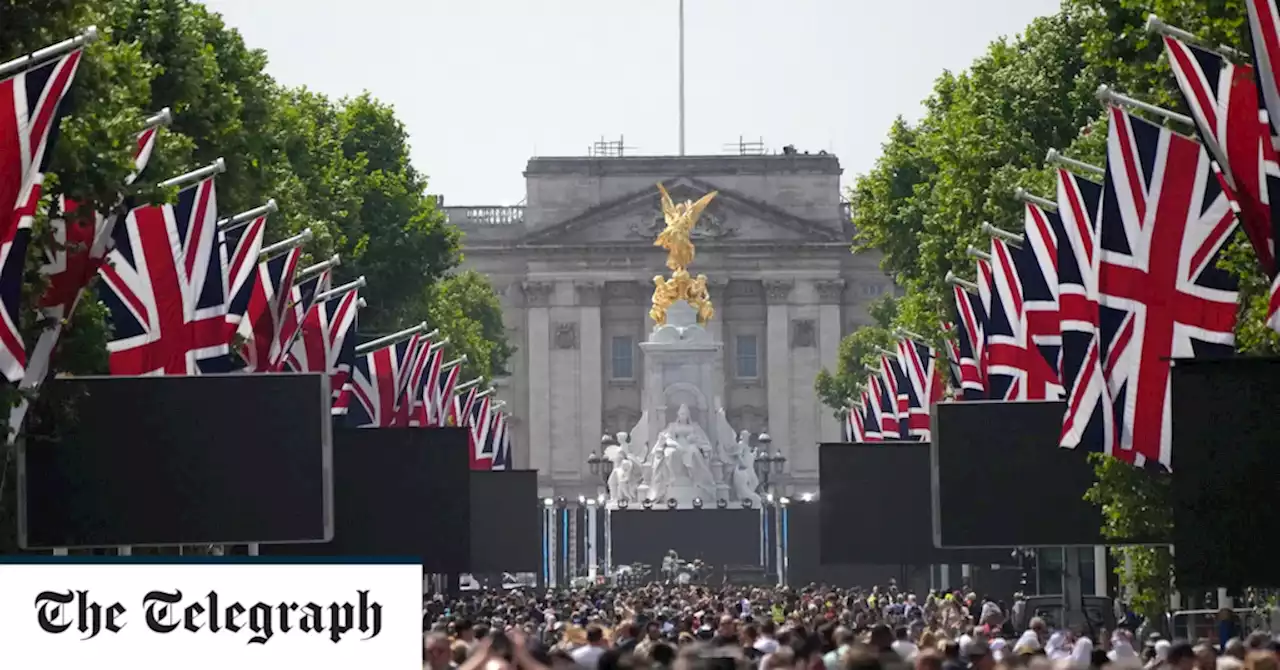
[[718, 288], [590, 365], [829, 292], [778, 362], [537, 297]]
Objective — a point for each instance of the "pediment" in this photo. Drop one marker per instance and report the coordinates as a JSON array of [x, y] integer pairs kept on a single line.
[[637, 218]]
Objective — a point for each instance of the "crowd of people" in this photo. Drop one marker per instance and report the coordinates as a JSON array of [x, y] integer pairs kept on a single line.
[[689, 627]]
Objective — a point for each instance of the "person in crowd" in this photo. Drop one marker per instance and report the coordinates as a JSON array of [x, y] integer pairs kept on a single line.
[[588, 655], [437, 653], [903, 645]]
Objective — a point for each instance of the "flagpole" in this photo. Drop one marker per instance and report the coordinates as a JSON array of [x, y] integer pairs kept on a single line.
[[394, 338], [285, 245], [1043, 203], [681, 77], [308, 272], [346, 288], [217, 167], [462, 387], [978, 253], [486, 392], [1054, 157], [161, 118], [453, 363], [247, 216], [437, 345], [1155, 25], [951, 278], [89, 36], [1012, 238], [1108, 96]]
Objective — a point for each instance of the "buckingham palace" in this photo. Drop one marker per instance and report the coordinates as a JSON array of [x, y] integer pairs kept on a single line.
[[574, 266]]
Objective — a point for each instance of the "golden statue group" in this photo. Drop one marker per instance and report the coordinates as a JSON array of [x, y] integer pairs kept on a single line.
[[676, 238]]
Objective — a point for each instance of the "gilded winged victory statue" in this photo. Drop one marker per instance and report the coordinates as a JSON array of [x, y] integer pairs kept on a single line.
[[676, 238]]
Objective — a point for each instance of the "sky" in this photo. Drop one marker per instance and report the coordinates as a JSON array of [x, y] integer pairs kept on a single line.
[[484, 85]]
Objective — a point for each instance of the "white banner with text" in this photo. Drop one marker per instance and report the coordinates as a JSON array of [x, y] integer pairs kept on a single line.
[[197, 615]]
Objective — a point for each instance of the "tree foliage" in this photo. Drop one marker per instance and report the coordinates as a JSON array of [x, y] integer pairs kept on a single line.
[[339, 167], [985, 131]]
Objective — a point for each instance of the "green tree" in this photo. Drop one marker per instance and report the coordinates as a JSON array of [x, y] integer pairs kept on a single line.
[[984, 132], [858, 350], [466, 310], [339, 167]]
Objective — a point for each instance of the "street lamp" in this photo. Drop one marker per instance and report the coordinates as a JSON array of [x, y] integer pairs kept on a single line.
[[599, 464], [767, 464]]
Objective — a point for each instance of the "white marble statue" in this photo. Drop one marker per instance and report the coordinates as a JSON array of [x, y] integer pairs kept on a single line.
[[663, 467], [745, 480], [624, 480], [695, 450], [726, 447]]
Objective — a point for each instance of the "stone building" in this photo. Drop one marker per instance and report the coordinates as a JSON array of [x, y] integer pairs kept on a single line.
[[575, 268]]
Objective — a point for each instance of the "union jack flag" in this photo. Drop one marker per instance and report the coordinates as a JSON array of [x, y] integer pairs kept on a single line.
[[30, 104], [970, 344], [1223, 100], [1038, 277], [1088, 420], [482, 450], [501, 438], [162, 285], [1016, 368], [1164, 220], [326, 344], [81, 242], [870, 420], [240, 248], [423, 412], [854, 430], [897, 387], [377, 383], [924, 383], [302, 296], [265, 298], [460, 408], [409, 410], [884, 408], [442, 398]]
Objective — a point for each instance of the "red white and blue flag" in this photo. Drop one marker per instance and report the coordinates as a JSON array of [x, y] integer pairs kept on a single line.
[[240, 248], [162, 285], [971, 342], [326, 344], [377, 384], [30, 103], [884, 408], [923, 380], [1164, 221], [265, 300], [854, 430], [1089, 419], [82, 239], [1223, 99], [478, 426], [302, 297]]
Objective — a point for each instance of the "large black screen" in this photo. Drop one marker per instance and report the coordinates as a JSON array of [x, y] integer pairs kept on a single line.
[[111, 461], [1225, 472], [506, 522], [719, 537], [875, 509], [400, 492], [1001, 480]]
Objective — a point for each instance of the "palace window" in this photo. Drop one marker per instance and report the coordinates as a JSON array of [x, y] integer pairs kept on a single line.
[[621, 358], [746, 357]]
